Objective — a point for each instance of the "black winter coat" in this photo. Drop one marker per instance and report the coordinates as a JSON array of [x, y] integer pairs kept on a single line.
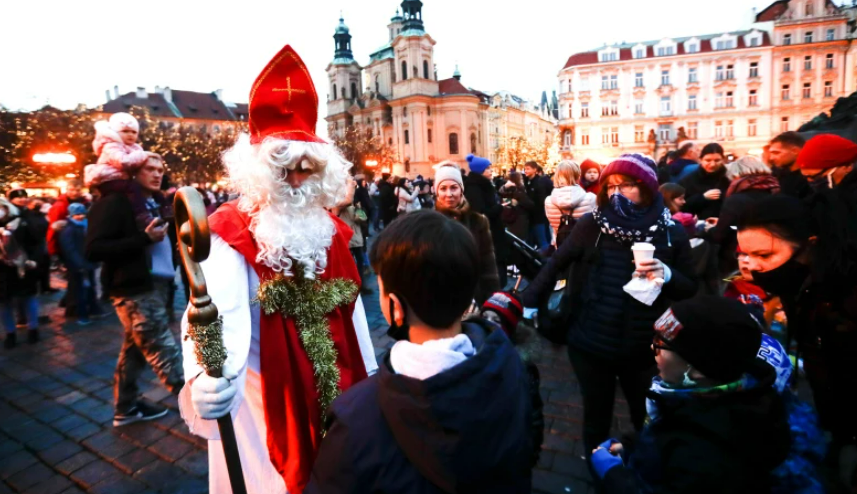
[[698, 183], [26, 238], [792, 183], [464, 430], [113, 238], [606, 321], [388, 202], [539, 188], [716, 444], [483, 198]]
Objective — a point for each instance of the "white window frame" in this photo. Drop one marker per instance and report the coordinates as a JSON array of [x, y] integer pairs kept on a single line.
[[693, 130], [666, 105], [718, 129], [828, 89], [829, 62], [584, 109], [751, 127], [584, 137], [808, 36], [787, 64], [639, 79], [639, 133], [753, 98], [784, 124], [785, 92], [831, 34], [806, 91], [692, 75], [691, 102], [787, 39], [638, 107], [754, 69], [665, 77], [807, 62], [605, 135]]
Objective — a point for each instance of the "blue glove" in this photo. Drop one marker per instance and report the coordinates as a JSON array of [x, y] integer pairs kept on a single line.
[[603, 461]]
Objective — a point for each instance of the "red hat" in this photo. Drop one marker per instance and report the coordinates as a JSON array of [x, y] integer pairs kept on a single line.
[[283, 102], [826, 151], [587, 165]]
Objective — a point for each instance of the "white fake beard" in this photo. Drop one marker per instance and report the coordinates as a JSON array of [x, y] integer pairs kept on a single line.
[[294, 227]]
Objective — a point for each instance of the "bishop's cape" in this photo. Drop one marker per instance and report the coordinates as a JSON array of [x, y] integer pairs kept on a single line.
[[277, 414]]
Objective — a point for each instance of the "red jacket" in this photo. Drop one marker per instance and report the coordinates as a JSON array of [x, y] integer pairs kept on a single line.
[[58, 212]]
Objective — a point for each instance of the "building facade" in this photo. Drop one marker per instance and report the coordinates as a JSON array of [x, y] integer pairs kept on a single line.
[[177, 107], [738, 88], [398, 97]]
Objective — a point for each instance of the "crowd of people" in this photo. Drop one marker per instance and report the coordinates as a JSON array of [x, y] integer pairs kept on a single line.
[[674, 279]]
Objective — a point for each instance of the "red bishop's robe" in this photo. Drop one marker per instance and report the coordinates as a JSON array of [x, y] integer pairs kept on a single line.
[[292, 410]]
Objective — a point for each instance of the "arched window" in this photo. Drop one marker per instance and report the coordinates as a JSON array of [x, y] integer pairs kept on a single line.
[[567, 138], [453, 143], [473, 143], [334, 91], [404, 70], [429, 136], [377, 84], [425, 70], [353, 91], [407, 137]]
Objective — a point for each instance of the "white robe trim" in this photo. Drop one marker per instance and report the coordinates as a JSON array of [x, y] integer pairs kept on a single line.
[[232, 284]]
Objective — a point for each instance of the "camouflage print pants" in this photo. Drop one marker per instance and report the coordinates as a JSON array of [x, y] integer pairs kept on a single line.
[[147, 339]]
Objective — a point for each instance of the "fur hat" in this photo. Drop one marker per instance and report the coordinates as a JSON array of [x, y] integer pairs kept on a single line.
[[477, 164], [448, 171], [715, 335], [637, 166], [826, 151], [508, 307]]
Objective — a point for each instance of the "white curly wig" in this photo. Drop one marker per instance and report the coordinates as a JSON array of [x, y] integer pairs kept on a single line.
[[289, 224]]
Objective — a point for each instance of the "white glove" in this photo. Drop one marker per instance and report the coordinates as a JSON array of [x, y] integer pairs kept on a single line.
[[212, 397], [530, 313]]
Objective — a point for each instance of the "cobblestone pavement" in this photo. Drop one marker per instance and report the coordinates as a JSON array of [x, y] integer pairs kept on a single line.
[[56, 433]]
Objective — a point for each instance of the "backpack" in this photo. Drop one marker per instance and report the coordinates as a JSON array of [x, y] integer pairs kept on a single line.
[[566, 225]]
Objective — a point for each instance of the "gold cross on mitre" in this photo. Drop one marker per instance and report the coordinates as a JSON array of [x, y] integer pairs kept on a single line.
[[288, 89]]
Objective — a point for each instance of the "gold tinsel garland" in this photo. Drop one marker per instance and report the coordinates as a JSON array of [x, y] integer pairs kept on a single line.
[[309, 302], [208, 344]]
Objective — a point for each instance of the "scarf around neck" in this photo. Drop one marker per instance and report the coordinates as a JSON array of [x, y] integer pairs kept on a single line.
[[642, 229], [670, 394], [456, 213]]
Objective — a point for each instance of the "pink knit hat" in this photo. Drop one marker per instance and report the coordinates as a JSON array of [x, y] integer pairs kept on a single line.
[[638, 166]]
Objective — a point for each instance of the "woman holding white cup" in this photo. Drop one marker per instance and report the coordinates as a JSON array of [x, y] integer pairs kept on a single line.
[[610, 333]]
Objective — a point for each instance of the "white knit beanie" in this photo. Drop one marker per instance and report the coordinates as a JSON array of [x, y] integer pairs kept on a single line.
[[121, 121], [448, 171]]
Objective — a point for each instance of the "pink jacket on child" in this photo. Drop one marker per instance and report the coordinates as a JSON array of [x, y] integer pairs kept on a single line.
[[571, 199], [116, 160]]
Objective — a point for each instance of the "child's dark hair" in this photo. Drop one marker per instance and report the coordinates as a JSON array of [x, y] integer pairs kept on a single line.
[[672, 191], [429, 261]]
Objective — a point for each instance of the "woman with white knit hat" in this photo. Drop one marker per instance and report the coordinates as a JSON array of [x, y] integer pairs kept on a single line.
[[449, 188]]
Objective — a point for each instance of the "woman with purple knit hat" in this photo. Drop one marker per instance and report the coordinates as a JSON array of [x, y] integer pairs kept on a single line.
[[609, 330]]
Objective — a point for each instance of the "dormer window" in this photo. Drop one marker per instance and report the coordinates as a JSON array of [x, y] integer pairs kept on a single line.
[[693, 48], [665, 51], [609, 55], [726, 44], [639, 51]]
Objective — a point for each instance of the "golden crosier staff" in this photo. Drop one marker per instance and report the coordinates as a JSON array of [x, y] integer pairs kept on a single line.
[[205, 327]]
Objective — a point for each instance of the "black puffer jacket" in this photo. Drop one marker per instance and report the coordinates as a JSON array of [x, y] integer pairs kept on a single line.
[[483, 199], [698, 183], [609, 322], [539, 188]]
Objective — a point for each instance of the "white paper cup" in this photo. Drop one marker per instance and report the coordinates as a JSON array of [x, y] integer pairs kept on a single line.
[[643, 251]]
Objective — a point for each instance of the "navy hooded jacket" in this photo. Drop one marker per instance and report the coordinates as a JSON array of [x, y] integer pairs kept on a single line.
[[466, 429]]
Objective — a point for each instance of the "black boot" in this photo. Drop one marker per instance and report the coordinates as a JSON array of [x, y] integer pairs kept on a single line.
[[10, 341]]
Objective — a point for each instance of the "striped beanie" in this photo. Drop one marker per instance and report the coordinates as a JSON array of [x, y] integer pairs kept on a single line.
[[508, 307], [637, 166]]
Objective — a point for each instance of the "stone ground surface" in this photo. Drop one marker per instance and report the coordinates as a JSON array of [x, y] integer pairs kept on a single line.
[[56, 433]]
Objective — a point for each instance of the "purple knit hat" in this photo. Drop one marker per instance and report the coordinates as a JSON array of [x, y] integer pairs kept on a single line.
[[635, 165]]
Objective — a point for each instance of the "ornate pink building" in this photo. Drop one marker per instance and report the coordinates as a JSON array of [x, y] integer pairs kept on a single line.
[[737, 88], [399, 97]]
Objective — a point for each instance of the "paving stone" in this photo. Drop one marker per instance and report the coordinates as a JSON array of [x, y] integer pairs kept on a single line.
[[53, 485], [195, 463], [137, 459], [69, 422], [95, 472], [75, 462], [71, 397], [156, 394], [171, 448], [16, 462], [551, 482], [142, 433], [561, 444], [9, 446], [159, 474], [52, 414], [73, 490], [109, 444], [100, 414], [121, 485], [29, 476], [85, 404], [44, 441], [189, 486], [83, 431], [573, 466], [59, 452]]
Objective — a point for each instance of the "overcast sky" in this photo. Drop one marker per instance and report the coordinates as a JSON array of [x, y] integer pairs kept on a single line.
[[68, 52]]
